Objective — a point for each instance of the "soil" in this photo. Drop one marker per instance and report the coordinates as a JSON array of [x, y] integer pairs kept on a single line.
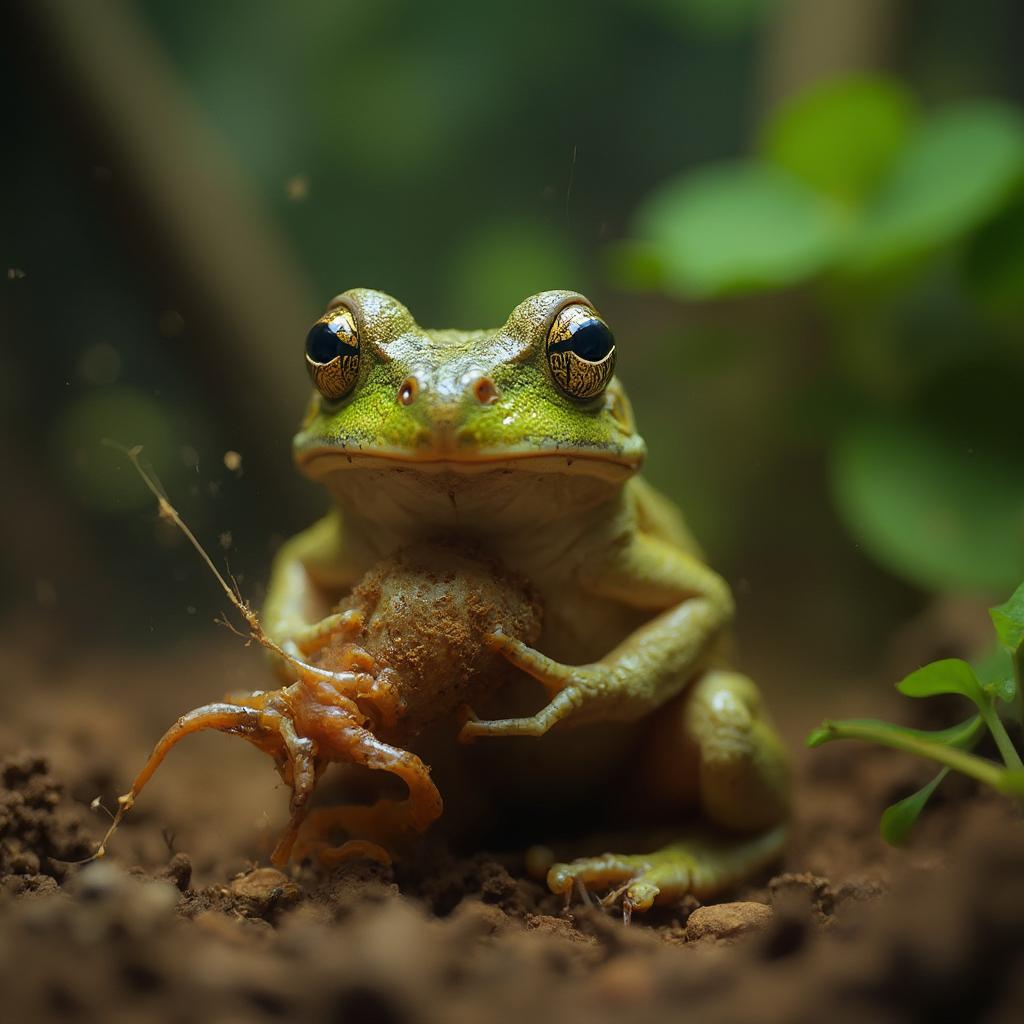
[[183, 920]]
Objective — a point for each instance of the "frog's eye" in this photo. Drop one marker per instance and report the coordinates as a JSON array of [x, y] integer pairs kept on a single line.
[[581, 351], [332, 353]]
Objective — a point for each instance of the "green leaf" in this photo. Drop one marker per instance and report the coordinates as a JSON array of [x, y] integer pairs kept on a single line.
[[840, 137], [994, 265], [958, 169], [738, 228], [1008, 619], [635, 266], [939, 511], [898, 819], [992, 667], [1001, 689], [950, 675]]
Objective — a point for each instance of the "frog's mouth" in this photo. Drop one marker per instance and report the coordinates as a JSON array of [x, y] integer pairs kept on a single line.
[[323, 461]]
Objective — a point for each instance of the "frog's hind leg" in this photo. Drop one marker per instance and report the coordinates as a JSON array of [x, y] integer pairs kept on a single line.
[[705, 864], [716, 746]]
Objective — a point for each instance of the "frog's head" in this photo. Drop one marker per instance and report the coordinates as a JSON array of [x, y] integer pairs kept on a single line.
[[537, 393]]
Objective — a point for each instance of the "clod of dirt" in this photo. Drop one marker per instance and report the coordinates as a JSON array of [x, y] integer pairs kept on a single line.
[[802, 893], [267, 887], [727, 921], [41, 831]]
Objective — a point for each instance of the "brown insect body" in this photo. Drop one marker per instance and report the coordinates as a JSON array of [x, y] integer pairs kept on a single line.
[[410, 648], [425, 613]]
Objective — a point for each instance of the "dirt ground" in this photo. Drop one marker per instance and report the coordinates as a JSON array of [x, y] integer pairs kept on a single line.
[[183, 920]]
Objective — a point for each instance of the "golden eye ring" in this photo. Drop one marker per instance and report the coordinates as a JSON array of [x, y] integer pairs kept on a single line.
[[581, 352], [332, 353]]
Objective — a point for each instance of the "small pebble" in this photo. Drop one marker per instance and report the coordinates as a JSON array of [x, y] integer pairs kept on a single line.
[[726, 920], [266, 885]]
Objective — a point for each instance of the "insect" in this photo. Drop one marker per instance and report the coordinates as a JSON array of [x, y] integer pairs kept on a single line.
[[412, 643]]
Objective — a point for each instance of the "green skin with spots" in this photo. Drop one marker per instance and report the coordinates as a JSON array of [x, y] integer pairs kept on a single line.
[[532, 416], [468, 434]]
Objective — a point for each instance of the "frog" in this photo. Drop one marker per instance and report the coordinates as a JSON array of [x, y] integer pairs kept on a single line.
[[521, 439]]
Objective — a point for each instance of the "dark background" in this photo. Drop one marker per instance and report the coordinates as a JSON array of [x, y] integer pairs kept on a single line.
[[186, 184]]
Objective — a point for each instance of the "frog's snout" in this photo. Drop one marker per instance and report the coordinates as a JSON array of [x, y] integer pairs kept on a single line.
[[445, 397]]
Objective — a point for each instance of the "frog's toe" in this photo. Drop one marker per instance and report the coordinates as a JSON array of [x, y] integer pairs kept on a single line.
[[561, 706], [639, 895], [630, 876], [706, 864]]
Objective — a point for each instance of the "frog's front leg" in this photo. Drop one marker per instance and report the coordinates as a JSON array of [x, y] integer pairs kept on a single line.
[[310, 574], [650, 666]]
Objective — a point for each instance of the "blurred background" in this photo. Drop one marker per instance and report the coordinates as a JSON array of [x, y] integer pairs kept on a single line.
[[804, 219]]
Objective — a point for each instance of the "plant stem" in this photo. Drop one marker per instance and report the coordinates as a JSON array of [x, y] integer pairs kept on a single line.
[[1017, 708], [979, 768], [995, 726]]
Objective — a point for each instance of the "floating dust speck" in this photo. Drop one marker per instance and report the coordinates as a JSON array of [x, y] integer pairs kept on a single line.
[[226, 540], [233, 461], [15, 273], [170, 323], [296, 188]]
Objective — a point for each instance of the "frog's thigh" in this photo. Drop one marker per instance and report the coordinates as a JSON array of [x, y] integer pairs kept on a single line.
[[741, 765], [715, 747]]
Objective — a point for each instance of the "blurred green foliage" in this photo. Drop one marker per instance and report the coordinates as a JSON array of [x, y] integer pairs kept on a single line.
[[865, 200], [815, 298]]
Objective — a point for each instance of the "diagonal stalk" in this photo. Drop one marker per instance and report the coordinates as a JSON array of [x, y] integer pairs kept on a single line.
[[980, 768], [1007, 750], [1017, 707]]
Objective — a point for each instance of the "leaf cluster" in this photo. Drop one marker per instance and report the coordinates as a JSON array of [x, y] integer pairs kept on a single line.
[[953, 747], [902, 229]]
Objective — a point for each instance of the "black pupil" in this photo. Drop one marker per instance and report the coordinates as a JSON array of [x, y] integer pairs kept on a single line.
[[322, 344], [592, 341]]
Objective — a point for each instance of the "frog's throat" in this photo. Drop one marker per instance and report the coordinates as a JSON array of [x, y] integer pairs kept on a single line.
[[325, 461]]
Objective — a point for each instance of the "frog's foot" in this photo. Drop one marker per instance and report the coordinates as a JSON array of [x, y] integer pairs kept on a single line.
[[553, 675], [704, 866], [566, 684], [634, 878], [561, 706]]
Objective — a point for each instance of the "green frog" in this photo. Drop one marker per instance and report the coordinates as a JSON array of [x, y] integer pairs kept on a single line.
[[522, 440]]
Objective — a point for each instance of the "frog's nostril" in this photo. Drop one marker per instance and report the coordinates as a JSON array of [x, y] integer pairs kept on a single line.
[[485, 391], [408, 391]]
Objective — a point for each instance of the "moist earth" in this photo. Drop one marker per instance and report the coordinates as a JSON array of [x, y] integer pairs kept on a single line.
[[174, 924]]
